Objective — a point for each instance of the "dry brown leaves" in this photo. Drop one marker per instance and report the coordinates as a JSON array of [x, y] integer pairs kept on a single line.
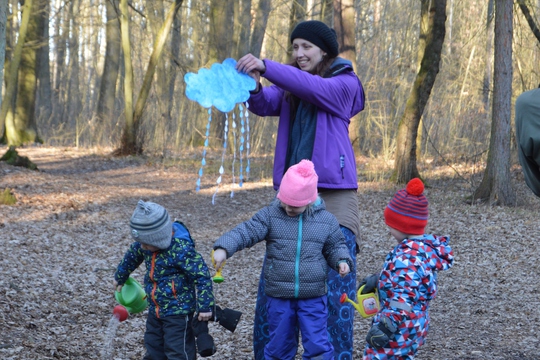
[[68, 231]]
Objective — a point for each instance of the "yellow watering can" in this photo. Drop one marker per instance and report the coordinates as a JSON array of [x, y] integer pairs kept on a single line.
[[368, 304], [132, 296]]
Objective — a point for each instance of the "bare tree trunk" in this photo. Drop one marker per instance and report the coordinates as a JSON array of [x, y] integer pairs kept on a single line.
[[176, 38], [489, 58], [345, 29], [221, 44], [137, 146], [405, 166], [12, 28], [60, 77], [128, 142], [496, 186], [244, 28], [450, 28], [259, 29], [327, 12], [25, 116], [73, 95], [424, 33], [530, 19], [44, 97], [3, 24], [298, 14], [156, 16], [221, 27], [107, 89], [11, 136]]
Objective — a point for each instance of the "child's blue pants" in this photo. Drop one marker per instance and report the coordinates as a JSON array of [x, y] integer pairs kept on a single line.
[[287, 315]]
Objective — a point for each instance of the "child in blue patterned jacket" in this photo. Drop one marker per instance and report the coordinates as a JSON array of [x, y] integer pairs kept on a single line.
[[302, 241], [408, 280], [177, 282]]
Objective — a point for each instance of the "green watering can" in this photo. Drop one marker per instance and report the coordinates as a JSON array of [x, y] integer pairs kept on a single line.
[[132, 296]]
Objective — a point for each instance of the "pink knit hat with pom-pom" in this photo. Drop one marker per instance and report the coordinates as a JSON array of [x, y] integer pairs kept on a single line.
[[408, 210], [299, 185]]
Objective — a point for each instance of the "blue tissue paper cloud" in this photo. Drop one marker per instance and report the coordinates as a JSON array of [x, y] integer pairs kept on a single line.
[[221, 86]]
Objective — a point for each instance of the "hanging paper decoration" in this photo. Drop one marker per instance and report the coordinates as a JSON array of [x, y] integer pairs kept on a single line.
[[203, 161], [234, 151], [242, 131], [223, 87], [247, 141]]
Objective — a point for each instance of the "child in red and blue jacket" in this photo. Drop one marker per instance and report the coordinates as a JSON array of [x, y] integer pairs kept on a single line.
[[177, 281], [408, 280]]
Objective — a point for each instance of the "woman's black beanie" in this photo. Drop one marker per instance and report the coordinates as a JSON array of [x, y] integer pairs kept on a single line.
[[318, 33]]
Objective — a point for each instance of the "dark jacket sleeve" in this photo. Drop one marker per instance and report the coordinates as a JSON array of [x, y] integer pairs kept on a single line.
[[527, 121], [131, 261], [245, 235]]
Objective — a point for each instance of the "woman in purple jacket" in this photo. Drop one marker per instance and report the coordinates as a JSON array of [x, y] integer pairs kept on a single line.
[[315, 97]]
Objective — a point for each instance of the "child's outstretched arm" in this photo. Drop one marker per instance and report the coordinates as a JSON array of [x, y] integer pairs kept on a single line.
[[131, 260], [244, 235]]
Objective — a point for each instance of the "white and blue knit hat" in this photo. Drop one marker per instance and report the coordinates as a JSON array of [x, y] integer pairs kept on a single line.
[[151, 225]]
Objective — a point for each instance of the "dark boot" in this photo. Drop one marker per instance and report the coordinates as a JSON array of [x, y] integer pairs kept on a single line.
[[205, 341]]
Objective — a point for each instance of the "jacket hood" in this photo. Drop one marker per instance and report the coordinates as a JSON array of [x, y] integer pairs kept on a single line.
[[339, 66], [318, 205], [181, 232], [437, 250]]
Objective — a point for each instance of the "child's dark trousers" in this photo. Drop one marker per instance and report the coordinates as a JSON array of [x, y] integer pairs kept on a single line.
[[169, 338]]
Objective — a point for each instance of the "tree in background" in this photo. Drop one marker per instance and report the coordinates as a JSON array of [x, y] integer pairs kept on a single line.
[[111, 67], [20, 128], [128, 142], [259, 28], [530, 19], [455, 124], [44, 98], [3, 23], [221, 45], [344, 26], [496, 186], [405, 167], [488, 73], [131, 142]]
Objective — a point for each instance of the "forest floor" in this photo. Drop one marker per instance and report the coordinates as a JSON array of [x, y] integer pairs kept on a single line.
[[68, 230]]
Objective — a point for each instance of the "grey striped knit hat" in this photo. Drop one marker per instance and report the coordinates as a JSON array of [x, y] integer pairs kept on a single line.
[[151, 225]]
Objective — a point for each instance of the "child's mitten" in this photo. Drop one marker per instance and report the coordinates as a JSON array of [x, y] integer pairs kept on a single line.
[[228, 318], [371, 284], [379, 335]]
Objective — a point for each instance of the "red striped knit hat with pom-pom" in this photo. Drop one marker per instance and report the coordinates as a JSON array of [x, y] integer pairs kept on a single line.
[[408, 210]]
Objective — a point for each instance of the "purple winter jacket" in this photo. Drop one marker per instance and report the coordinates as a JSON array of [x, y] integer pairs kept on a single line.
[[337, 99]]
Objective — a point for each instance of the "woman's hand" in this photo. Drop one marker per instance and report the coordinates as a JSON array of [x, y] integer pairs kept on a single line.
[[251, 65]]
